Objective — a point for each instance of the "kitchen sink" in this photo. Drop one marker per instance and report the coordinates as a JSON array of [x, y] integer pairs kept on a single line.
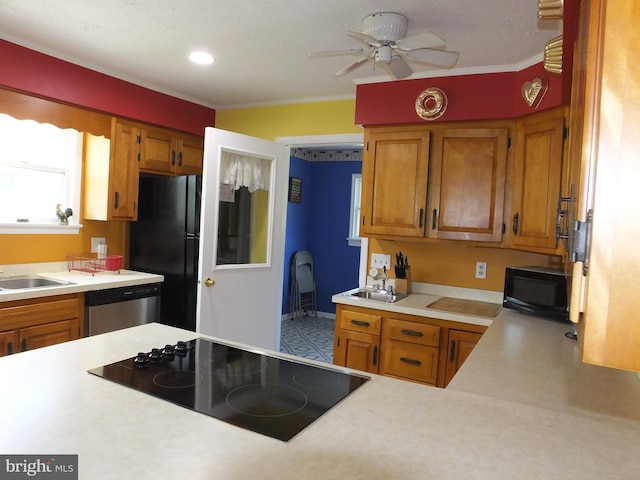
[[29, 281], [379, 295]]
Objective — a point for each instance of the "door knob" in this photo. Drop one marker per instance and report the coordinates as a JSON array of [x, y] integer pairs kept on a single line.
[[209, 282]]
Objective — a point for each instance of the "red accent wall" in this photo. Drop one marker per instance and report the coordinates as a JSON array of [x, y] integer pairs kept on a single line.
[[44, 76], [471, 97]]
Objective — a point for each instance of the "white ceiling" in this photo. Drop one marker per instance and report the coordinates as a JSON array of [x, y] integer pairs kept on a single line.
[[261, 46]]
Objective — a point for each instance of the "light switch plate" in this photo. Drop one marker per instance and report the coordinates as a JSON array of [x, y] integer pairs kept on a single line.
[[380, 260], [95, 241]]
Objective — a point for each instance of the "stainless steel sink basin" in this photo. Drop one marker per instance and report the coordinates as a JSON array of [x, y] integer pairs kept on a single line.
[[379, 295], [29, 281]]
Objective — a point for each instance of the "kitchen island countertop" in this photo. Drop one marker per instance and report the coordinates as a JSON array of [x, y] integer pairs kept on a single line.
[[521, 407]]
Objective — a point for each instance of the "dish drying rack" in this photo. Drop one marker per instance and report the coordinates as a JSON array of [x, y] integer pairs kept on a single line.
[[92, 263]]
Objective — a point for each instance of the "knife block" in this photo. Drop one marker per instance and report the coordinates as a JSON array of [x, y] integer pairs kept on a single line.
[[403, 285]]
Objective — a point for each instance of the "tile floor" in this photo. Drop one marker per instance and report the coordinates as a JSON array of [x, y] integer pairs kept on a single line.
[[308, 337]]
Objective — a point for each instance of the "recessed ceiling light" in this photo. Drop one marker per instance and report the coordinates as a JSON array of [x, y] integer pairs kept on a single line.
[[201, 58]]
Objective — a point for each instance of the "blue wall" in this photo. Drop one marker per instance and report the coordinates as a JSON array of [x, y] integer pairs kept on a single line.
[[320, 224]]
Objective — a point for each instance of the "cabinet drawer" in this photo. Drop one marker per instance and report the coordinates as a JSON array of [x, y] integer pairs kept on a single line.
[[412, 332], [21, 313], [360, 322], [410, 361]]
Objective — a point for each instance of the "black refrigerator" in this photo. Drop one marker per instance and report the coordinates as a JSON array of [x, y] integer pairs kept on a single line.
[[165, 241]]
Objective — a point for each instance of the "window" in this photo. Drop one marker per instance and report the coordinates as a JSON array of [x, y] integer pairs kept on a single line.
[[354, 239], [40, 167]]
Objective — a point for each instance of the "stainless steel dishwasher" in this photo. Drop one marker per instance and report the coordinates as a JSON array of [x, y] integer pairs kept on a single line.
[[122, 307]]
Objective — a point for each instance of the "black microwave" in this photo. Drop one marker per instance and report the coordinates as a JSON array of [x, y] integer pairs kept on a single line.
[[537, 291]]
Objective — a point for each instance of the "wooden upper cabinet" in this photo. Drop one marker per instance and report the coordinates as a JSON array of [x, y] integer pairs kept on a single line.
[[467, 183], [158, 149], [190, 154], [124, 171], [536, 181], [606, 302], [111, 171], [394, 181], [165, 151]]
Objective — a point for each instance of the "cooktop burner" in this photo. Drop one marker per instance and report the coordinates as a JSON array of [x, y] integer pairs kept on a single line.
[[273, 396]]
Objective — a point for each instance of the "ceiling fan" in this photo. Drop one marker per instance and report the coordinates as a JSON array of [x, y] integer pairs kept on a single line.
[[384, 34]]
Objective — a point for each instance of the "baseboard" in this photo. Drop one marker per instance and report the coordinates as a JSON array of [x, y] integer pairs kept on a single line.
[[330, 316]]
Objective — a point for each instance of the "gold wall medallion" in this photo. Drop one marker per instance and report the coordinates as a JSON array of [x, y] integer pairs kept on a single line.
[[533, 92], [431, 103]]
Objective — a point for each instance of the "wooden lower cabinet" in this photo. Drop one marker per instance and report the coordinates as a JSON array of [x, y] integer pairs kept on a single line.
[[410, 350], [35, 323], [459, 347], [357, 340], [418, 349], [9, 342]]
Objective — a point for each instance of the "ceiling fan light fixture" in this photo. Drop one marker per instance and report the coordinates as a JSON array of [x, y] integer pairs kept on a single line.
[[383, 54], [201, 58]]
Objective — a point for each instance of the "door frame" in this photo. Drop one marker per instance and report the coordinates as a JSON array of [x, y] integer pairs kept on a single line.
[[332, 141]]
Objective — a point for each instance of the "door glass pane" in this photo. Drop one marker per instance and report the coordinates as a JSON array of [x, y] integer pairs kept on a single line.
[[243, 211]]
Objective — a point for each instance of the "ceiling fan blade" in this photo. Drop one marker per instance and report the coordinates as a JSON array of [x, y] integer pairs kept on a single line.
[[397, 68], [421, 40], [363, 37], [352, 66], [433, 57], [337, 53]]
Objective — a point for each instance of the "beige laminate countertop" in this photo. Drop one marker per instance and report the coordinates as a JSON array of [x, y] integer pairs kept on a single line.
[[521, 407], [80, 281]]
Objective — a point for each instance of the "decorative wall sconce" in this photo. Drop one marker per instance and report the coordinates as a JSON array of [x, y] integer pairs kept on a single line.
[[550, 9], [553, 55]]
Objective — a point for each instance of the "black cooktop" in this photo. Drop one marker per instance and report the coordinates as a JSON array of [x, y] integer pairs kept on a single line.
[[273, 396]]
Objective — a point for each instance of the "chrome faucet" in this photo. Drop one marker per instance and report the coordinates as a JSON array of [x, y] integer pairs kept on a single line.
[[384, 277]]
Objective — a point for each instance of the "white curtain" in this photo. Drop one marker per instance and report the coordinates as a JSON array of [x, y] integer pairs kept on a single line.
[[244, 171]]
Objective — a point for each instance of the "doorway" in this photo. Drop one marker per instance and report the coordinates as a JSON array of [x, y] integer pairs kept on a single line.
[[323, 213]]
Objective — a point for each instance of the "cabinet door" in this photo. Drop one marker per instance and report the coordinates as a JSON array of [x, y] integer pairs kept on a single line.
[[190, 155], [356, 350], [467, 184], [124, 172], [158, 150], [9, 343], [536, 183], [607, 299], [48, 334], [459, 347], [394, 182]]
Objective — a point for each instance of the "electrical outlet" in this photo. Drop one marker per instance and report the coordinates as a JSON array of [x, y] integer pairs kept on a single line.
[[95, 241], [379, 260], [481, 269]]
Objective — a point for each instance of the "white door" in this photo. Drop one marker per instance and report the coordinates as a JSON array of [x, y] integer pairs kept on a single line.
[[244, 204]]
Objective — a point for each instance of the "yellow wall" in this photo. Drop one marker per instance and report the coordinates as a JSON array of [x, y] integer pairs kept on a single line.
[[16, 249], [456, 265], [269, 122]]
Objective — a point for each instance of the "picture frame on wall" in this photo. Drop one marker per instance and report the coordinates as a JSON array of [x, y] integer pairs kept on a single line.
[[295, 189]]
